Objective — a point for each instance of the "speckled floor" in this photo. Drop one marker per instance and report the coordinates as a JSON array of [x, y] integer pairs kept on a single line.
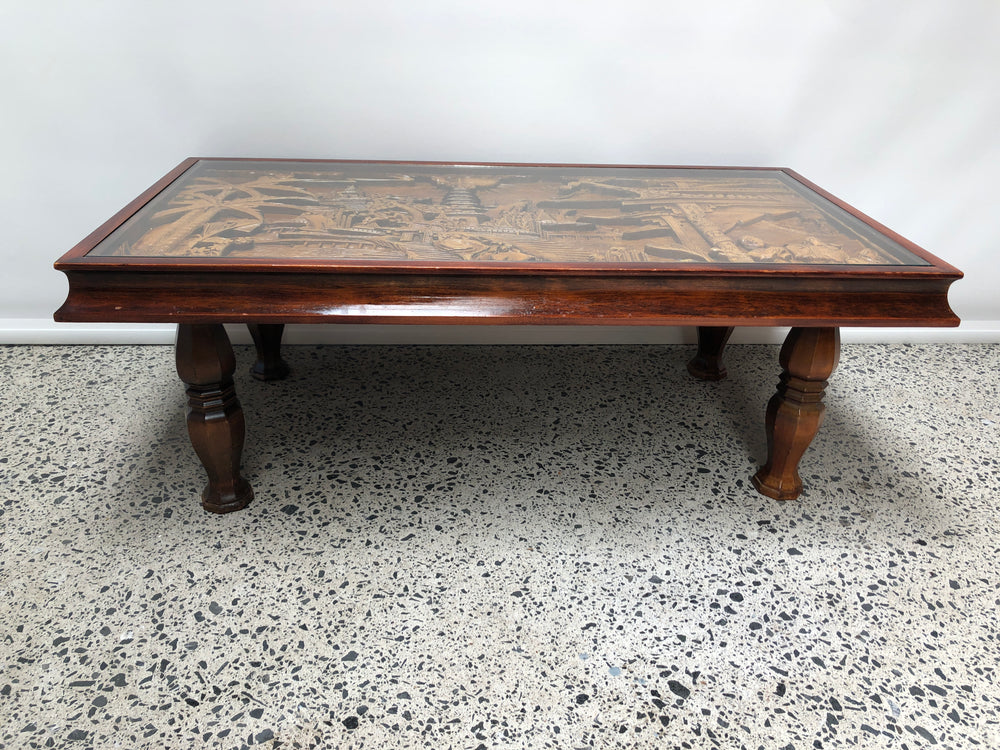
[[500, 547]]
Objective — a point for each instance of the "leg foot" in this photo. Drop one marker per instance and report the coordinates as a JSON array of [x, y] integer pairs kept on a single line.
[[707, 363], [215, 423], [267, 339], [794, 414]]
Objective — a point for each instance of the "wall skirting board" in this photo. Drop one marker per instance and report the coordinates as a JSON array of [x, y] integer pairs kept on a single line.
[[43, 331]]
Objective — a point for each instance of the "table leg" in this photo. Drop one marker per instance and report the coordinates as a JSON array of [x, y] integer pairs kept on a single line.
[[267, 339], [707, 363], [808, 357], [205, 363]]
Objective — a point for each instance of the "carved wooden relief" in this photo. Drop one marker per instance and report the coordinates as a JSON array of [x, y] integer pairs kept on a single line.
[[497, 214]]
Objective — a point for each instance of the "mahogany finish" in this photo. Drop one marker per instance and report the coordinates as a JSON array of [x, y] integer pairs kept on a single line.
[[271, 242], [267, 340], [709, 296], [205, 363], [707, 362], [808, 357]]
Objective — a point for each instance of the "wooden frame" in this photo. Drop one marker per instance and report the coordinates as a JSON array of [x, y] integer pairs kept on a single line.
[[201, 293]]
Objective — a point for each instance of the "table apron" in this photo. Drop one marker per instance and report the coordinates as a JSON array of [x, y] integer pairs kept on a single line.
[[232, 297]]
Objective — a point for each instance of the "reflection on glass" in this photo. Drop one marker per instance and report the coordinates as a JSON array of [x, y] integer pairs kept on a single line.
[[376, 212]]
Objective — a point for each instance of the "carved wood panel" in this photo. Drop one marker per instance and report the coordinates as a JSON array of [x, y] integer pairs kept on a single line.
[[497, 214]]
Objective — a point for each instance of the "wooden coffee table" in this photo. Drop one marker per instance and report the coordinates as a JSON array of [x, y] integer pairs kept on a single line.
[[270, 242]]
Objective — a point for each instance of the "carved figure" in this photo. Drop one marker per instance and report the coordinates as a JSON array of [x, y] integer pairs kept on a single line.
[[493, 214]]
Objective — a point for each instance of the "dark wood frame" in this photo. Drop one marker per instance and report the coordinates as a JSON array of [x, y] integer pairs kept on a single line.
[[201, 294], [185, 289]]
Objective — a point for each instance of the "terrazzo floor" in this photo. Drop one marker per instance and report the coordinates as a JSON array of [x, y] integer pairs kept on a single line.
[[500, 547]]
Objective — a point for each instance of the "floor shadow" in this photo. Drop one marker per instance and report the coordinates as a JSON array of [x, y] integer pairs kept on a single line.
[[636, 406]]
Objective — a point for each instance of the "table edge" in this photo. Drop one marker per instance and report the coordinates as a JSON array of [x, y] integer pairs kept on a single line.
[[193, 295], [77, 258]]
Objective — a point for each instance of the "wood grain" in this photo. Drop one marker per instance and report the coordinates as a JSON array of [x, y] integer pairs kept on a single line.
[[794, 414], [215, 421], [270, 242], [244, 296]]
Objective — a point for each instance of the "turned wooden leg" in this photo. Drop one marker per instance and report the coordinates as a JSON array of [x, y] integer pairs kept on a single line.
[[707, 363], [267, 339], [795, 412], [205, 363]]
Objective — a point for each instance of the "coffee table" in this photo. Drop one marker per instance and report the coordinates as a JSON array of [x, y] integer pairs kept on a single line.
[[268, 242]]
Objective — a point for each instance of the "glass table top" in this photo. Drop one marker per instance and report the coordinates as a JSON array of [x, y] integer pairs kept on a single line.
[[497, 214]]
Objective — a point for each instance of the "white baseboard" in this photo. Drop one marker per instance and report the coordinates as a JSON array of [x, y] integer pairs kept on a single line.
[[43, 331]]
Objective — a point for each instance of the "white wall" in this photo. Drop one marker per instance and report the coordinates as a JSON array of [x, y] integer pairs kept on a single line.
[[894, 106]]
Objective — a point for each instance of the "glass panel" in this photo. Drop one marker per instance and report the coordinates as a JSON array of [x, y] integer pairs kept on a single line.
[[376, 212]]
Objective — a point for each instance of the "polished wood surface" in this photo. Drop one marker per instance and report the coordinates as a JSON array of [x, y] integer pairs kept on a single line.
[[192, 294], [205, 363], [707, 362], [267, 340], [292, 263], [271, 242], [808, 357]]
